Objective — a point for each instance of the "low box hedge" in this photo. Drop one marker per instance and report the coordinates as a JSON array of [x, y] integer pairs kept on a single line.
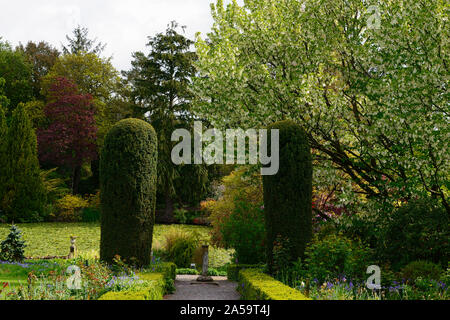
[[153, 289], [233, 270], [256, 285], [168, 269], [157, 282]]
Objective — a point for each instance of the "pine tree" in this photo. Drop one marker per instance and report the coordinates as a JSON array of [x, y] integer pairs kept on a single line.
[[24, 196], [13, 248], [80, 43]]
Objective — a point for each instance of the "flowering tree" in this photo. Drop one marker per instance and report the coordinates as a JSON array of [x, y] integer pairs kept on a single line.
[[369, 84], [70, 138]]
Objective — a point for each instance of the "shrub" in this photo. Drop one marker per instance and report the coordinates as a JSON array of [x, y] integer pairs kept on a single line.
[[181, 215], [12, 249], [128, 186], [90, 215], [146, 287], [281, 255], [421, 269], [211, 272], [184, 216], [69, 209], [54, 185], [233, 270], [418, 230], [169, 271], [288, 194], [188, 271], [244, 231], [180, 247], [256, 285], [240, 185], [445, 276], [336, 256]]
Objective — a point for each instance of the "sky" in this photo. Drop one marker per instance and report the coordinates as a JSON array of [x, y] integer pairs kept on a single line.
[[123, 25]]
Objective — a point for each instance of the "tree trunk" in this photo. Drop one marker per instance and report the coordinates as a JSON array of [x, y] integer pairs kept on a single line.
[[76, 179], [167, 216]]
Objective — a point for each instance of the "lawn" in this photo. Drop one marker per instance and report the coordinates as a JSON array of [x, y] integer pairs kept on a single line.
[[53, 239]]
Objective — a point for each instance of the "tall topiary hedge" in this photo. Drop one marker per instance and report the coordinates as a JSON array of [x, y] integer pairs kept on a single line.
[[288, 196], [128, 190]]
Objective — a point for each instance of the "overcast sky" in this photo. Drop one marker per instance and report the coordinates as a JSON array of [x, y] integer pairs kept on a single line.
[[122, 24]]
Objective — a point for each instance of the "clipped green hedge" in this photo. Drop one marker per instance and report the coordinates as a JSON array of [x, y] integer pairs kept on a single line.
[[154, 289], [168, 269], [233, 270], [128, 178], [256, 285], [288, 195], [211, 272]]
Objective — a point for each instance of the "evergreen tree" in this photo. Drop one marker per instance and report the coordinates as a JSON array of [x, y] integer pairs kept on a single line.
[[24, 194], [160, 82], [80, 43], [12, 249], [3, 155], [128, 190], [288, 196]]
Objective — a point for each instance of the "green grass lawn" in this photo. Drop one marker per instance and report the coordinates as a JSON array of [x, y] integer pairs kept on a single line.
[[53, 239]]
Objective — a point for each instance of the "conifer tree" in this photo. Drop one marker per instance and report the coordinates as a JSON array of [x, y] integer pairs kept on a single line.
[[12, 249], [3, 154], [24, 193]]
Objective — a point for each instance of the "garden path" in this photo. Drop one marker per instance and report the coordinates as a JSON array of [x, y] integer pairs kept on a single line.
[[187, 288]]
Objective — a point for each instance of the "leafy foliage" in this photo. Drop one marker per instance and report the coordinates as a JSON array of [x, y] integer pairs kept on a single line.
[[69, 209], [180, 248], [69, 139], [335, 256], [41, 56], [373, 101], [240, 185], [423, 269], [418, 230], [16, 73], [244, 230], [93, 76]]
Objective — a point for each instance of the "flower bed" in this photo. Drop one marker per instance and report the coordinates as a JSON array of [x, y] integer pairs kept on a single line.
[[146, 286]]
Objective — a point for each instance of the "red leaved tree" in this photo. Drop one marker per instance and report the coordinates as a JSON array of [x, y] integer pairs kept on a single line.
[[69, 140]]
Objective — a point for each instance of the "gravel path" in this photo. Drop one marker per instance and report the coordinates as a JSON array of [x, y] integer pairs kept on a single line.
[[187, 288]]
